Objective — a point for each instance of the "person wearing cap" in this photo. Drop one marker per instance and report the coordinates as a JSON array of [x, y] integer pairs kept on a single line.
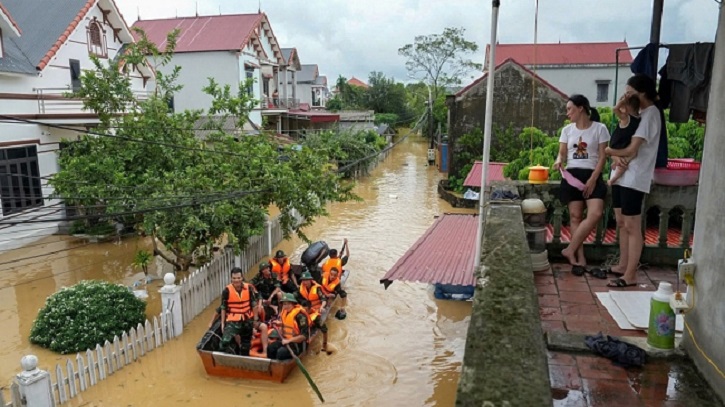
[[332, 287], [281, 266], [335, 260], [238, 313], [310, 293], [268, 290], [293, 325]]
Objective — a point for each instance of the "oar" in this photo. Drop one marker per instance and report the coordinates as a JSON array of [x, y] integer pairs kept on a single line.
[[302, 368]]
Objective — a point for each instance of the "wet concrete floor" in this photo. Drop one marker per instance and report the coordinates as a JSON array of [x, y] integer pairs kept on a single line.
[[397, 346]]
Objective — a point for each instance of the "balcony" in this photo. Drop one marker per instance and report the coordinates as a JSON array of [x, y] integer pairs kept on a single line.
[[668, 223], [269, 103], [55, 101]]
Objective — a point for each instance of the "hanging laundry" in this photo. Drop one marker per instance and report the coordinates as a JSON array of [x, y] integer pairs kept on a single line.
[[686, 80], [644, 61]]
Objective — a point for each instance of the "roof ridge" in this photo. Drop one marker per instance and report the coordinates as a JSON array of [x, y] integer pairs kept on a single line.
[[63, 37], [206, 16]]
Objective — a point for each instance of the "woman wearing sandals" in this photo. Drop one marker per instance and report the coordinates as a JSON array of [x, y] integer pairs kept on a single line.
[[581, 149], [629, 190]]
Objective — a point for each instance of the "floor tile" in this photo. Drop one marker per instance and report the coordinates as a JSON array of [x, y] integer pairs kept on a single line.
[[610, 393], [560, 358], [576, 297], [565, 377], [593, 367]]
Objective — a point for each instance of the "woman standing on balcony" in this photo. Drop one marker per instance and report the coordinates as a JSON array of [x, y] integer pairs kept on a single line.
[[628, 191], [581, 149]]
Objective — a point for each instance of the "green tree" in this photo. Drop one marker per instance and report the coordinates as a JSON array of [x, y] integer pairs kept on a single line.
[[387, 96], [544, 152], [150, 168]]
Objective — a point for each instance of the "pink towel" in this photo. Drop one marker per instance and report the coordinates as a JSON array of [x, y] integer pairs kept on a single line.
[[571, 179]]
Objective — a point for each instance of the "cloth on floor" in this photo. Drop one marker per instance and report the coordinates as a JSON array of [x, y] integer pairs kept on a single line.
[[620, 353]]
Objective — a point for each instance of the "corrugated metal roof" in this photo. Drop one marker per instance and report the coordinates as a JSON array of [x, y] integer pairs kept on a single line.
[[203, 33], [40, 31], [563, 53], [444, 254], [495, 173]]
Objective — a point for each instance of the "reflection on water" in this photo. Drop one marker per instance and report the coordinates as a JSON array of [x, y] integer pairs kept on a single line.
[[397, 346]]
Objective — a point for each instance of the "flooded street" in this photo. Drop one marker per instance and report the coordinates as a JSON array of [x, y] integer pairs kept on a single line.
[[396, 347]]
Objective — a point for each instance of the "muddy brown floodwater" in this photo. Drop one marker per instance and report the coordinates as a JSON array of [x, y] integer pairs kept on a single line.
[[397, 347]]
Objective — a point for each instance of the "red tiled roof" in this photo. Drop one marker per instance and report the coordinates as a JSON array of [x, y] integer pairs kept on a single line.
[[527, 70], [63, 37], [357, 82], [5, 13], [204, 33], [563, 53], [444, 254], [495, 173]]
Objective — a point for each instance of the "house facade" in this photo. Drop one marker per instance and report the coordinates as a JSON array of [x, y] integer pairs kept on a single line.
[[590, 69], [46, 46], [513, 106], [312, 87], [230, 49]]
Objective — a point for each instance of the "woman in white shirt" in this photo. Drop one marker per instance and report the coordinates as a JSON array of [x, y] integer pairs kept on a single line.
[[581, 149], [629, 190]]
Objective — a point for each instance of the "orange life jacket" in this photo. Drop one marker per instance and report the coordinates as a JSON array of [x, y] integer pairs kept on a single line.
[[328, 286], [330, 264], [312, 295], [290, 328], [282, 270], [239, 307]]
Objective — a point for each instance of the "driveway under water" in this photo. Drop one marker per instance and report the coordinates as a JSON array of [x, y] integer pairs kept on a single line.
[[397, 346]]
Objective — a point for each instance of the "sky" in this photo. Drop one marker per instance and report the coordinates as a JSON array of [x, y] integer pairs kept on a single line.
[[355, 37]]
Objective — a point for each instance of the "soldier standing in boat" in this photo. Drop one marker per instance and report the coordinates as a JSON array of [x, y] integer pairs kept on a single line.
[[239, 314]]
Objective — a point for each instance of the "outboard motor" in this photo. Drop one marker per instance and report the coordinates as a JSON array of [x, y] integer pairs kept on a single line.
[[314, 254]]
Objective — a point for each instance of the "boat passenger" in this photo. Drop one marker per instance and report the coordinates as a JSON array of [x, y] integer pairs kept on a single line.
[[335, 260], [332, 286], [315, 323], [311, 294], [238, 314], [281, 266], [294, 327], [268, 290]]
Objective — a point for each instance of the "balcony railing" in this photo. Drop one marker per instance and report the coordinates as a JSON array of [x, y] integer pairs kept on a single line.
[[54, 100], [279, 103]]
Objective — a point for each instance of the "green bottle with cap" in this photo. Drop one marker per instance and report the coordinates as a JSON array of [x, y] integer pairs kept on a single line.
[[661, 332]]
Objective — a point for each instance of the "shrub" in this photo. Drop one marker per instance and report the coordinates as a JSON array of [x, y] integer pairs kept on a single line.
[[79, 317]]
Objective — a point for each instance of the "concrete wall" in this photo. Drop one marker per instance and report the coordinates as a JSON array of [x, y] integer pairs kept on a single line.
[[505, 362], [512, 106], [584, 81], [704, 337]]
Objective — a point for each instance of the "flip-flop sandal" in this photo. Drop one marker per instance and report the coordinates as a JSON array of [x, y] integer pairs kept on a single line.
[[620, 283], [608, 270], [578, 270], [598, 273]]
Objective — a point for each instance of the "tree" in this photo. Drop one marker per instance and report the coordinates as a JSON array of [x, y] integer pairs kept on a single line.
[[440, 60], [386, 96], [149, 168]]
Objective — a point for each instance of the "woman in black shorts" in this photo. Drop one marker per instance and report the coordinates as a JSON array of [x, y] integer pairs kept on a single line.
[[581, 149]]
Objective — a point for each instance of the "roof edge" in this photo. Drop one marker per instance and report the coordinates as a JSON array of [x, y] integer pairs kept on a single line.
[[5, 14], [63, 37], [512, 61]]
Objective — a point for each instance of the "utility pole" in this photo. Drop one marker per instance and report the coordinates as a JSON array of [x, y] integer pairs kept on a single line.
[[430, 117]]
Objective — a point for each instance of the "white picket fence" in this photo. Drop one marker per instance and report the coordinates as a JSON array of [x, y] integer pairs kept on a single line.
[[197, 291]]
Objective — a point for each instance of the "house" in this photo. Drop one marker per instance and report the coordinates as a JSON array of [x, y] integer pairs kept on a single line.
[[44, 47], [312, 86], [385, 130], [513, 106], [231, 49], [593, 69], [357, 82]]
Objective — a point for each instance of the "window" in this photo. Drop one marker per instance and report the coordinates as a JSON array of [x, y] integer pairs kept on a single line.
[[602, 91], [96, 38], [75, 75], [19, 179], [250, 81]]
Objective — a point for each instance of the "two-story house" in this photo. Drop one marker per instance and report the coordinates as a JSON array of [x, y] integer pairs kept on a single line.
[[230, 49], [312, 87], [44, 47], [590, 69]]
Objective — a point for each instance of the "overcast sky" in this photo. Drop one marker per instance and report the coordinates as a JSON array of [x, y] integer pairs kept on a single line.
[[355, 37]]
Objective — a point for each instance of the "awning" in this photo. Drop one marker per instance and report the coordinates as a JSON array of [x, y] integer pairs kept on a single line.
[[495, 173], [315, 117], [443, 255]]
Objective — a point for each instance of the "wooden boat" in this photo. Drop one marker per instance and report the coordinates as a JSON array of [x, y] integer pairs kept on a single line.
[[247, 367]]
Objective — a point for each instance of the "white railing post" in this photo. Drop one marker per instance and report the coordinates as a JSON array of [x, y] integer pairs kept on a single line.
[[171, 300], [34, 383], [270, 246]]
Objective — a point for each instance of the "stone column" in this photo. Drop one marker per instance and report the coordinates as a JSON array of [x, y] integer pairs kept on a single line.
[[171, 299], [705, 325], [34, 383]]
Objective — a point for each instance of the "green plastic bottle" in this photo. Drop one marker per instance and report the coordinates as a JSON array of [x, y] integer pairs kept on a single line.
[[661, 332]]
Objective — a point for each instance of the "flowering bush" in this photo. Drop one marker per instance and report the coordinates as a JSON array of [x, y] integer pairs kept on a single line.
[[79, 317]]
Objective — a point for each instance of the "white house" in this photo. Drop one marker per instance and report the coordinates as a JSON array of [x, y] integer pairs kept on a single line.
[[312, 87], [590, 69], [44, 47], [230, 49]]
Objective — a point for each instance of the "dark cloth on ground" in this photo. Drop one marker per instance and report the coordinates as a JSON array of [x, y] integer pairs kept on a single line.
[[569, 193], [620, 353]]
